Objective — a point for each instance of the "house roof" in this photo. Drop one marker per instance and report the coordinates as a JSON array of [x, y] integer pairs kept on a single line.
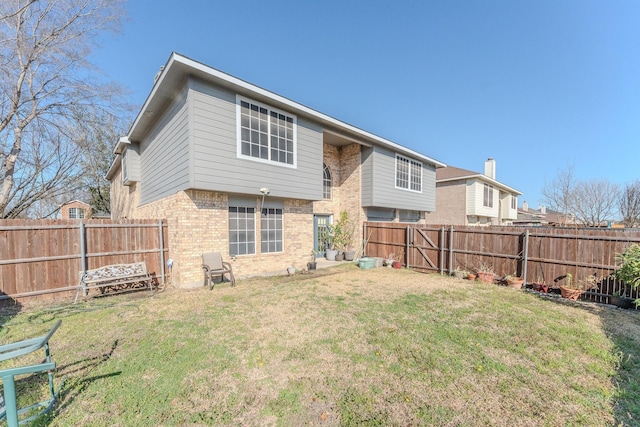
[[451, 173], [75, 201], [179, 67]]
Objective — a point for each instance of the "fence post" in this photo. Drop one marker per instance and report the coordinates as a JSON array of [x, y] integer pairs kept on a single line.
[[407, 245], [525, 256], [83, 255], [450, 248], [364, 240], [161, 251], [442, 251]]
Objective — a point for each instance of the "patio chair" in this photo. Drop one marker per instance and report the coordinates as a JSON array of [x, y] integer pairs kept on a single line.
[[212, 266], [9, 409]]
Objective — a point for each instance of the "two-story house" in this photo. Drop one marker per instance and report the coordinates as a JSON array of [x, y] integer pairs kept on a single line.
[[465, 197], [240, 170]]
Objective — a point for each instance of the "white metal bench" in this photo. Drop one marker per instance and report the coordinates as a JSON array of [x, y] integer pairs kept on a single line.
[[115, 278]]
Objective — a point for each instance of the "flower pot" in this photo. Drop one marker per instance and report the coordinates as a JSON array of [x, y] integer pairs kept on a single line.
[[515, 282], [331, 254], [540, 287], [366, 263], [471, 276], [291, 271], [569, 293], [485, 276], [622, 302], [349, 255], [311, 265], [340, 256], [396, 264]]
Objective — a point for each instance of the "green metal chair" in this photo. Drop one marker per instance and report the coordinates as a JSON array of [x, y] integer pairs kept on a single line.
[[17, 349]]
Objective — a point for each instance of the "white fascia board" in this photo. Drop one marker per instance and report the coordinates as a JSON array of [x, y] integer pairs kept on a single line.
[[483, 178], [115, 164], [216, 74]]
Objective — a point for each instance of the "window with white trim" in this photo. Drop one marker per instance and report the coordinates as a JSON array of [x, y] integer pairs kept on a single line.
[[271, 230], [326, 182], [266, 134], [514, 202], [76, 213], [242, 231], [408, 174], [488, 196]]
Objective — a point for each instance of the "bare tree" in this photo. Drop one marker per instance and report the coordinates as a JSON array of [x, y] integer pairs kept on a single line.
[[96, 135], [558, 194], [629, 204], [595, 201], [45, 78]]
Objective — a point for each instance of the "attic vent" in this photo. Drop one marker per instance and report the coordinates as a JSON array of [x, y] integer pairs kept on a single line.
[[158, 74]]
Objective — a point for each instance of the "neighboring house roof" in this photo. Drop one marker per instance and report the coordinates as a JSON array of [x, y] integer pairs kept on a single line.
[[75, 201], [178, 67], [451, 173]]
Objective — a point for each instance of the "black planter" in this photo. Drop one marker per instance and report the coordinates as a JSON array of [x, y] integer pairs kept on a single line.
[[622, 302], [311, 265]]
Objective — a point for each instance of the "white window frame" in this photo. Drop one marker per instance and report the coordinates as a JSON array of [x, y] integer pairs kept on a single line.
[[271, 217], [245, 230], [514, 202], [239, 100], [412, 165], [487, 195], [327, 182], [76, 213]]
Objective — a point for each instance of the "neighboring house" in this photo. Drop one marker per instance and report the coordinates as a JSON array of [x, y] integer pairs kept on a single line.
[[75, 210], [465, 197], [243, 171], [544, 217]]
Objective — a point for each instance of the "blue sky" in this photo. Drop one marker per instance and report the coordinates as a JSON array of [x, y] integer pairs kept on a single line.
[[537, 85]]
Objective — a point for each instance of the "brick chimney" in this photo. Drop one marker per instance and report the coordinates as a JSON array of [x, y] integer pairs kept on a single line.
[[490, 168]]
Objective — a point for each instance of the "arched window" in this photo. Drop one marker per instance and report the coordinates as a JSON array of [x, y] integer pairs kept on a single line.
[[326, 182]]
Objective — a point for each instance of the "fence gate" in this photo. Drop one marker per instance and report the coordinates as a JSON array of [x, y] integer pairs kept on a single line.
[[425, 253]]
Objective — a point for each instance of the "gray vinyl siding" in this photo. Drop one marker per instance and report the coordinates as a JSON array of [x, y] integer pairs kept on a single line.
[[217, 167], [379, 180], [164, 152]]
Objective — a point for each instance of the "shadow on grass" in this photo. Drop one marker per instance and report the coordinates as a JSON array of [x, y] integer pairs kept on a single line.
[[9, 307], [75, 383], [622, 327]]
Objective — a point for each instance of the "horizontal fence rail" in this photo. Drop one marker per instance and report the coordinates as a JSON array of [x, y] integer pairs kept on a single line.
[[540, 255], [40, 258]]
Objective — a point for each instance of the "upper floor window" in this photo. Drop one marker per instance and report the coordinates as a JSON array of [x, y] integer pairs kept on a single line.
[[514, 202], [76, 213], [326, 181], [408, 174], [266, 134], [488, 196]]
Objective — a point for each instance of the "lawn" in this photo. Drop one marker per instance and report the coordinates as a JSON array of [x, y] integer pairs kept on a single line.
[[340, 347]]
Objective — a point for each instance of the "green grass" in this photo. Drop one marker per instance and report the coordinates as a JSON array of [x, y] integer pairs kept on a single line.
[[342, 347]]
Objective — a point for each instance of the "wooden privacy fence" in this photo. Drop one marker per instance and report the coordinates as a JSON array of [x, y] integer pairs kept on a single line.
[[40, 258], [540, 255]]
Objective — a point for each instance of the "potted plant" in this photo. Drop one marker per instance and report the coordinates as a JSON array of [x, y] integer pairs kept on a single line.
[[397, 258], [514, 281], [343, 231], [485, 272], [459, 273], [540, 285], [628, 271], [573, 289], [311, 265]]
